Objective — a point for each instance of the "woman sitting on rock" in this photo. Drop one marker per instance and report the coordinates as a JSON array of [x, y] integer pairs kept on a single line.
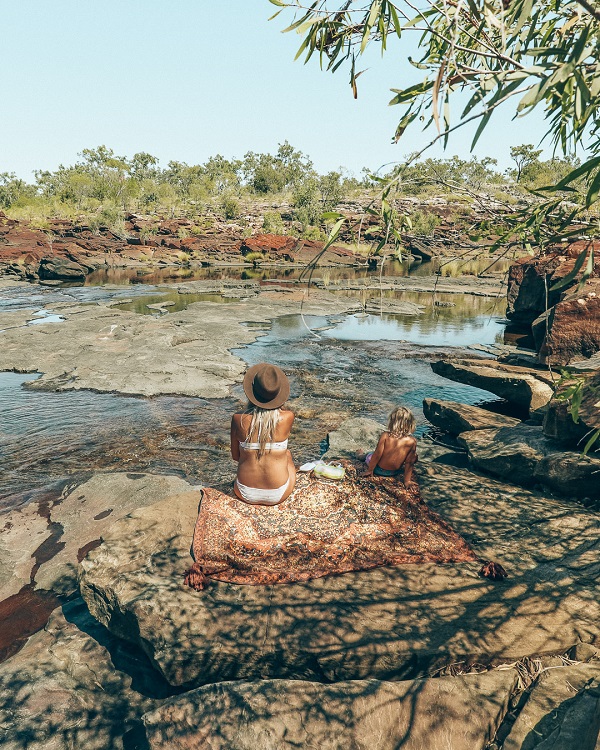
[[259, 436]]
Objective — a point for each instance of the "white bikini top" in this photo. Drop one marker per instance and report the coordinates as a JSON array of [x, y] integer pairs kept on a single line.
[[268, 446]]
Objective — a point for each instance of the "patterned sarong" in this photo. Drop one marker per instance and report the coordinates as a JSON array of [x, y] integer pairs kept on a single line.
[[324, 527]]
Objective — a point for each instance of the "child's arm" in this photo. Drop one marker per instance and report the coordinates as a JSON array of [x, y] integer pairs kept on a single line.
[[374, 460], [410, 460]]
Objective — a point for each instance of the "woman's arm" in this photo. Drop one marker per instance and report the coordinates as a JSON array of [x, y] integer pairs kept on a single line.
[[235, 443]]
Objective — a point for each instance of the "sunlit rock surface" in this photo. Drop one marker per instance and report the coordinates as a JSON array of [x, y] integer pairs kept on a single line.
[[461, 713], [525, 387], [455, 418]]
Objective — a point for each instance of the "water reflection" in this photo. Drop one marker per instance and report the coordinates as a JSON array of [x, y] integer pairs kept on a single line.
[[174, 274], [172, 301]]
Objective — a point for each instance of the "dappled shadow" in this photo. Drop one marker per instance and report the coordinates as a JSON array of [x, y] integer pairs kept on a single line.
[[76, 685], [351, 715], [395, 623], [390, 623]]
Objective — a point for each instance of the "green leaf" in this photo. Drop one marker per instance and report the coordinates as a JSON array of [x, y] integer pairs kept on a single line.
[[594, 191], [591, 442], [481, 128], [334, 234], [584, 169], [588, 270], [395, 20], [572, 274]]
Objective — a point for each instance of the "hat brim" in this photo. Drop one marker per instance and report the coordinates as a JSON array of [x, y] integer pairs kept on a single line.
[[279, 400]]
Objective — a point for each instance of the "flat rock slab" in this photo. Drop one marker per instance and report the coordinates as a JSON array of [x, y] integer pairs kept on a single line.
[[387, 623], [461, 713], [456, 418], [562, 712], [525, 387], [43, 544], [108, 350]]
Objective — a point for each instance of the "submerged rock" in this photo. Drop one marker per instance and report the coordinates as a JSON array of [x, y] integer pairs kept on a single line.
[[460, 712]]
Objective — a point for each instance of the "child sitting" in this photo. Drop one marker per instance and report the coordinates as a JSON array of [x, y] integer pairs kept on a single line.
[[397, 448]]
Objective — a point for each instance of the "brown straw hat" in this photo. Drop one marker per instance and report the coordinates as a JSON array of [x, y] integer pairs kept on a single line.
[[266, 386]]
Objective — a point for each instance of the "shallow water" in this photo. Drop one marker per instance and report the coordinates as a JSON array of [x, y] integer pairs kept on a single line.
[[341, 366], [173, 274], [175, 302]]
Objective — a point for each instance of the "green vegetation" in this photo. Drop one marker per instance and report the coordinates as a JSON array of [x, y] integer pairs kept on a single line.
[[483, 52], [101, 189]]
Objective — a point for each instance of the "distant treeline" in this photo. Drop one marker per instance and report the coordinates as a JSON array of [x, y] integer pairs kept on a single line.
[[102, 186]]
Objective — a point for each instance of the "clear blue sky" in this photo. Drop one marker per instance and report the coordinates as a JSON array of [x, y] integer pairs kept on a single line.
[[187, 79]]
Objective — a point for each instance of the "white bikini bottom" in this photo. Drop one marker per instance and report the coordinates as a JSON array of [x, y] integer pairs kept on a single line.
[[254, 495]]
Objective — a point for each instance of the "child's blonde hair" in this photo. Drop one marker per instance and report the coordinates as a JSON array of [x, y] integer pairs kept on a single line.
[[401, 422]]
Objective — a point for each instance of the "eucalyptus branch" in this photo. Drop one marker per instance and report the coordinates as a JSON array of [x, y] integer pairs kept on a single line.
[[590, 9]]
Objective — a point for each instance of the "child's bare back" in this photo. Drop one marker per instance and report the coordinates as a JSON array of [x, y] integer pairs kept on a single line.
[[396, 448]]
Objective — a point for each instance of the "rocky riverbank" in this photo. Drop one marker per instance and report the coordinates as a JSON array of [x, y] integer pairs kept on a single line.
[[390, 655], [421, 644]]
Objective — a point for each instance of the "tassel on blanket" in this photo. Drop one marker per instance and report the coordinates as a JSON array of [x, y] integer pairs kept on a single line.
[[493, 570], [195, 578]]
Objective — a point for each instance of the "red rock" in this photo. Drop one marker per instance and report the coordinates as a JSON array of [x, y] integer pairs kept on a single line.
[[573, 327], [530, 280]]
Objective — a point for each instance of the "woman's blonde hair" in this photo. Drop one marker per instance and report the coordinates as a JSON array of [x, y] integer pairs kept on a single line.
[[401, 422], [262, 427]]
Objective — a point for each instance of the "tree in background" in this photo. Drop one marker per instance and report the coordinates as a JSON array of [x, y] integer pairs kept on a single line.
[[544, 54], [523, 156]]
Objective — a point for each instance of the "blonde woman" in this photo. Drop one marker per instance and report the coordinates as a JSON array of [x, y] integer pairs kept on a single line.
[[259, 437], [396, 449]]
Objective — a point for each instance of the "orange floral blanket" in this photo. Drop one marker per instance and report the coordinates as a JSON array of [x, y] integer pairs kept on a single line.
[[322, 528]]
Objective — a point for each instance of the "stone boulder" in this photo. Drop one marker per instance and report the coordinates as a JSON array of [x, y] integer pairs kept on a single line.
[[278, 248], [527, 388], [558, 421], [562, 711], [274, 246], [526, 294], [571, 329], [462, 713], [455, 418], [512, 452], [387, 623], [530, 279], [353, 439], [524, 455], [73, 685], [61, 268]]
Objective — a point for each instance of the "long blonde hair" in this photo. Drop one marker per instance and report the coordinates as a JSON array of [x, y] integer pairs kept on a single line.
[[401, 422], [263, 426]]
